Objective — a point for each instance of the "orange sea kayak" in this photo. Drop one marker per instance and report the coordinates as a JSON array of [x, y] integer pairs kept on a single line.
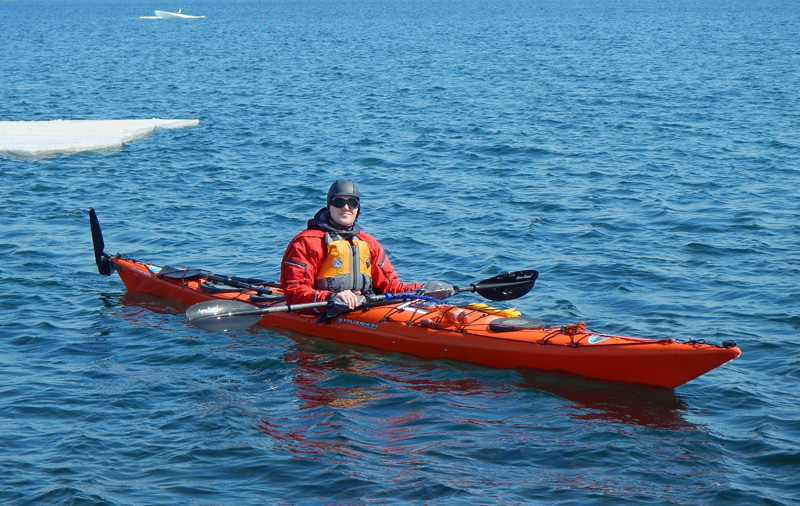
[[473, 333]]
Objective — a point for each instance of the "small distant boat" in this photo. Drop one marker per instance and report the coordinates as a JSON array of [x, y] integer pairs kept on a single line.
[[171, 15]]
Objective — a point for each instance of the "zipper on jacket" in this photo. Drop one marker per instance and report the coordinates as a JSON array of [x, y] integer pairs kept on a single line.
[[355, 264]]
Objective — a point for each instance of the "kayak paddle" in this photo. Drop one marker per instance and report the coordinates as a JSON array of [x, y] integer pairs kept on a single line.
[[511, 285], [227, 314]]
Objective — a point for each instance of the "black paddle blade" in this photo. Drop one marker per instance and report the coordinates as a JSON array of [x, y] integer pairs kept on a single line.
[[511, 285], [221, 315], [100, 257]]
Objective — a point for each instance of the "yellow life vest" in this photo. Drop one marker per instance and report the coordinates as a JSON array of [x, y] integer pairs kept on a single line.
[[347, 265]]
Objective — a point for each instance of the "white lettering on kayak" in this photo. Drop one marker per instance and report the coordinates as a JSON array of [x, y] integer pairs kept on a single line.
[[356, 322]]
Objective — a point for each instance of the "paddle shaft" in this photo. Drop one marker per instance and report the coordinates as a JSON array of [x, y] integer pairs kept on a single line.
[[491, 286], [285, 308], [217, 309]]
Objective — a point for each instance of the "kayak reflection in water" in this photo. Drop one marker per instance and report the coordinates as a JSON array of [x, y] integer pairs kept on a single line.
[[334, 260]]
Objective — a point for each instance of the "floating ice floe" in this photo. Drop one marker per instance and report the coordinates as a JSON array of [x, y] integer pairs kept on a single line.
[[35, 139]]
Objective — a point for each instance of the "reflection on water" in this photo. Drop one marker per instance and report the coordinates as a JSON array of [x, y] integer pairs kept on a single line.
[[656, 408], [152, 303], [130, 306]]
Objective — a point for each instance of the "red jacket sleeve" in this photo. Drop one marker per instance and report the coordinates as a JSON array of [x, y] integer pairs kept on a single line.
[[299, 267], [384, 277]]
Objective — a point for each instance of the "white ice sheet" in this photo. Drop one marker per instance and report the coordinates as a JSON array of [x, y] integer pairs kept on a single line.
[[35, 139]]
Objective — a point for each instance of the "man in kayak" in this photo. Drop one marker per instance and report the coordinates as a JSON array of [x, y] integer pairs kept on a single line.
[[334, 260]]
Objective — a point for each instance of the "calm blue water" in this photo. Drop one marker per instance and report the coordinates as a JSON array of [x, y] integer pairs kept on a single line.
[[643, 156]]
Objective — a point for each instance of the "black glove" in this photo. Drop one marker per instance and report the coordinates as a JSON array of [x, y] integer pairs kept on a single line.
[[436, 289], [337, 306]]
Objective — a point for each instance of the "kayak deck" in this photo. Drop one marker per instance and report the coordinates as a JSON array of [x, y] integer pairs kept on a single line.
[[470, 333]]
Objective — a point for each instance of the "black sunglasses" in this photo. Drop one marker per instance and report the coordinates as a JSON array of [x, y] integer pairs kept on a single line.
[[339, 202]]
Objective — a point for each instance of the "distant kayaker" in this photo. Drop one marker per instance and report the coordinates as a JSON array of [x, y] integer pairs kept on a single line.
[[334, 260]]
